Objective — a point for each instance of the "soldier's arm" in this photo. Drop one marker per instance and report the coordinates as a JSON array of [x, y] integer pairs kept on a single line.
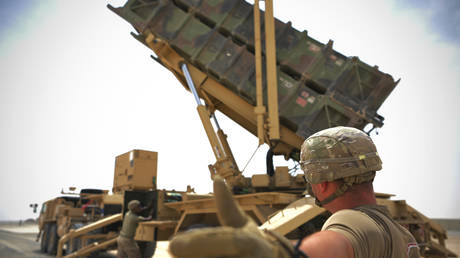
[[327, 244], [140, 218]]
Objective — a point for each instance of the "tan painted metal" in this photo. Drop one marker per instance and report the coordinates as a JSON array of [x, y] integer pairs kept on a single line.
[[159, 224], [241, 112], [428, 232], [293, 216], [212, 137], [225, 164], [92, 248], [140, 176], [260, 108], [226, 147], [246, 199], [189, 210], [146, 230], [272, 78], [86, 229]]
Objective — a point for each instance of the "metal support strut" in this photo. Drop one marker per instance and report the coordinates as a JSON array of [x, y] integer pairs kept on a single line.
[[225, 165], [189, 80]]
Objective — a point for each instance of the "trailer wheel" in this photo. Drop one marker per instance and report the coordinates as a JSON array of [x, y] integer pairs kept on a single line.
[[75, 244], [44, 239], [52, 239]]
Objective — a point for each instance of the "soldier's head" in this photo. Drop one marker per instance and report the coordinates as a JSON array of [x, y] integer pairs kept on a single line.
[[343, 155], [134, 206]]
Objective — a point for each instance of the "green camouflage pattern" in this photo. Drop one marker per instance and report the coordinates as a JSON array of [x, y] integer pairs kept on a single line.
[[318, 87], [338, 152]]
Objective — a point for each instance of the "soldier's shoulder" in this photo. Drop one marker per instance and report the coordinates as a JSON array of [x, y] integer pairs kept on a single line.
[[348, 218]]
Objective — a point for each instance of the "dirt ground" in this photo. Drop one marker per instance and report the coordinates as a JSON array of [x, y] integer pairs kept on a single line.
[[453, 241]]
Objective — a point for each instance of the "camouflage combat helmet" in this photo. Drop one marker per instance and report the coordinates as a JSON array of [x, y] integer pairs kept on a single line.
[[133, 204], [339, 153]]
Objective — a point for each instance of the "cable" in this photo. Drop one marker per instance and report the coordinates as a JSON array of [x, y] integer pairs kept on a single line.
[[294, 169], [247, 163]]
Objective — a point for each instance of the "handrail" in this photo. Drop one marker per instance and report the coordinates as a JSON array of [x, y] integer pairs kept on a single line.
[[86, 229]]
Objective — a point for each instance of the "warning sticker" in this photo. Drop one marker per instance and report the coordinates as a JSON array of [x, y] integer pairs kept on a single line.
[[301, 101]]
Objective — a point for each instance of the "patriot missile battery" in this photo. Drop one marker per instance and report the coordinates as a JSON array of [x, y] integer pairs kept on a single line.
[[318, 87]]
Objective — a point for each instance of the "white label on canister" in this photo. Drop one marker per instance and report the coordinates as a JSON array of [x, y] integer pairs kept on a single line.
[[285, 83]]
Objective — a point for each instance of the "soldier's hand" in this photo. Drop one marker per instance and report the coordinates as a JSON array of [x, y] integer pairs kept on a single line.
[[238, 237], [148, 218]]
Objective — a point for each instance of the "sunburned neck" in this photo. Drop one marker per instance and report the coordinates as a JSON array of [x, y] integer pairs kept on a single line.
[[352, 199]]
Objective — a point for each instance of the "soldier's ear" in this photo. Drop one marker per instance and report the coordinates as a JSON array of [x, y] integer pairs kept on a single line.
[[324, 186]]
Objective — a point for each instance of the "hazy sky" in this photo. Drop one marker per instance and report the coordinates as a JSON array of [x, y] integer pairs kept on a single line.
[[76, 90]]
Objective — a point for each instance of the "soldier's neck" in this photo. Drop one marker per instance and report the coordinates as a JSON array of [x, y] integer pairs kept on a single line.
[[351, 200]]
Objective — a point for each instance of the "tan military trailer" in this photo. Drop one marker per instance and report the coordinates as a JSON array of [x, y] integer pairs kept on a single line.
[[289, 213], [135, 177], [71, 211]]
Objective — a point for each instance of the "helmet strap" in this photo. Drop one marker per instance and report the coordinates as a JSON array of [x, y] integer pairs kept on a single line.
[[340, 191], [347, 183]]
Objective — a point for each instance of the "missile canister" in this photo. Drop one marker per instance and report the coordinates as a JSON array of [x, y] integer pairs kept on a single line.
[[318, 87]]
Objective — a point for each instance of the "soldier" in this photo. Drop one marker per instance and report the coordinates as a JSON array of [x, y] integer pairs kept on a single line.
[[127, 247], [339, 165]]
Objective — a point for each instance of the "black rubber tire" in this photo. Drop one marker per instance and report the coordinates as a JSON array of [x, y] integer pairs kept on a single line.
[[44, 239], [76, 242], [53, 239], [147, 249]]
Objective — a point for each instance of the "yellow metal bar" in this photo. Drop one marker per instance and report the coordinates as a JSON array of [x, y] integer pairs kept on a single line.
[[86, 229], [160, 224], [212, 137], [257, 213], [272, 78], [242, 108], [225, 165], [293, 216], [92, 248], [98, 224], [181, 220], [260, 108], [228, 151], [267, 198]]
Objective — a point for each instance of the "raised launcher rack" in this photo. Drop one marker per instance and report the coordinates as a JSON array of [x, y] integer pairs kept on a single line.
[[318, 87]]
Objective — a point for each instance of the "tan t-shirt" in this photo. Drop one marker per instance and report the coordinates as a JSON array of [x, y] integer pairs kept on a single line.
[[372, 233]]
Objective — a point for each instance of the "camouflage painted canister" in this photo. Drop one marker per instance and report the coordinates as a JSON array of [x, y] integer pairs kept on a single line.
[[318, 87]]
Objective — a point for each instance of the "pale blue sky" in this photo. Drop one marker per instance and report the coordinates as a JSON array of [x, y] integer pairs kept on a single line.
[[443, 17], [76, 90]]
